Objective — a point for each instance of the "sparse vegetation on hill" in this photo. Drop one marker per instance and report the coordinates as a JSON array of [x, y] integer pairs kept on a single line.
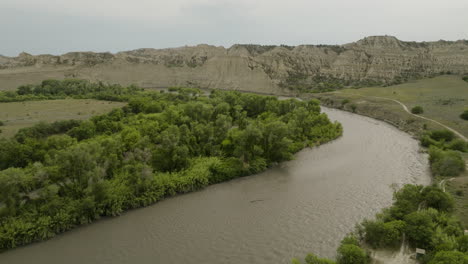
[[441, 105], [372, 61]]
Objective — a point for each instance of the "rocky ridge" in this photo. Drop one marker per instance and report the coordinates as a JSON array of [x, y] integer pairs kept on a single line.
[[377, 60]]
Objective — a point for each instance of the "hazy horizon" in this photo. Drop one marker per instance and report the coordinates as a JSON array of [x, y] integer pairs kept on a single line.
[[49, 27]]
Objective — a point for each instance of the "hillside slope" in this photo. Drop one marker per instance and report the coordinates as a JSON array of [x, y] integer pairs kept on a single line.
[[372, 60]]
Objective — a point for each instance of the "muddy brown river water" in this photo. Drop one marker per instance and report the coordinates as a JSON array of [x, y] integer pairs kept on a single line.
[[300, 206]]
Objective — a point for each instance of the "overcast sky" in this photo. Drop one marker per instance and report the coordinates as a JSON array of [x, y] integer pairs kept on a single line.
[[59, 26]]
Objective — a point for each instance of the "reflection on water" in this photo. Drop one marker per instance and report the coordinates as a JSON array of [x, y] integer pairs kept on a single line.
[[305, 205]]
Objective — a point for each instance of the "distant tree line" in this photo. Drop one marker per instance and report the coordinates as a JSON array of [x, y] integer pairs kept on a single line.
[[71, 88], [55, 176]]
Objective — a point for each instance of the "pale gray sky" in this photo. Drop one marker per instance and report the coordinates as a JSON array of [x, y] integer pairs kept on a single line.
[[59, 26]]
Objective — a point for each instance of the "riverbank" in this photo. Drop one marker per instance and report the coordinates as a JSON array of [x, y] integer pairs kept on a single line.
[[394, 113]]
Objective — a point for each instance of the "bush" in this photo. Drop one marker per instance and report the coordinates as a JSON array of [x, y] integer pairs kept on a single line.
[[417, 110], [438, 199], [458, 144], [1, 123], [351, 254], [419, 228], [344, 101], [449, 257], [464, 115], [443, 134], [312, 259], [380, 234], [446, 163]]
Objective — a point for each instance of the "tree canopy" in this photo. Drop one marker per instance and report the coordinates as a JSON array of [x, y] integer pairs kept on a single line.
[[60, 175]]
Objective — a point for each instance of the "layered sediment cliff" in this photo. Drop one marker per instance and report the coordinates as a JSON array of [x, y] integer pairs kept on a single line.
[[378, 60]]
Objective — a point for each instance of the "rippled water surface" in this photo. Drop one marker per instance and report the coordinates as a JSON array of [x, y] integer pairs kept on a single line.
[[305, 205]]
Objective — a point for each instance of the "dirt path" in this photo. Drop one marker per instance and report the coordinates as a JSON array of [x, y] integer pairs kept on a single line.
[[422, 117], [443, 182]]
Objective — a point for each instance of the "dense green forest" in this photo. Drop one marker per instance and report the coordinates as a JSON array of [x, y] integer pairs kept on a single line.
[[56, 176]]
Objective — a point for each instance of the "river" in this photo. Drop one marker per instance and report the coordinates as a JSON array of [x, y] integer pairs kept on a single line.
[[304, 205]]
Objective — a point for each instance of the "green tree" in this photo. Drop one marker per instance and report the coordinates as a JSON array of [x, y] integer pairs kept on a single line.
[[86, 130], [419, 228], [276, 142], [169, 154], [384, 234], [434, 197], [406, 201]]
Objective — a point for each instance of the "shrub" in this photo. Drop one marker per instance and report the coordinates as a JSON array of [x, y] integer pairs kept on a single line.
[[452, 257], [312, 259], [438, 199], [427, 141], [419, 228], [446, 163], [353, 108], [1, 123], [351, 254], [380, 234], [458, 144], [443, 134], [464, 115], [417, 110]]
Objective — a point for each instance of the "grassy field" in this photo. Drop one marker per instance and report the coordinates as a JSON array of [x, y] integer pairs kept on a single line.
[[458, 187], [443, 98], [23, 114]]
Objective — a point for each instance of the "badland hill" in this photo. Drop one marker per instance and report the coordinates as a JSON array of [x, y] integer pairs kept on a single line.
[[377, 60]]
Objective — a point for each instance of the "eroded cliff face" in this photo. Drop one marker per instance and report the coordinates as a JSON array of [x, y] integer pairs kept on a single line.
[[269, 69]]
